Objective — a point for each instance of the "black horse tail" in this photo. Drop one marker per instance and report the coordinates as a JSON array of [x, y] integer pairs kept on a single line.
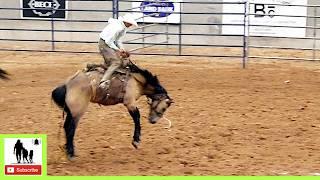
[[59, 97], [3, 74]]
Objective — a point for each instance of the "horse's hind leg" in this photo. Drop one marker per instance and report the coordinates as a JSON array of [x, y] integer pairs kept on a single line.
[[70, 129], [77, 104]]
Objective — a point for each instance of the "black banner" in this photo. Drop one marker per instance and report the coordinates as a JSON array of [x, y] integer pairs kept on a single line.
[[44, 9]]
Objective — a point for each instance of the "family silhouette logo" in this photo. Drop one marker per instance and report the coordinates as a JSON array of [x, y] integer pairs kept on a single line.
[[23, 156]]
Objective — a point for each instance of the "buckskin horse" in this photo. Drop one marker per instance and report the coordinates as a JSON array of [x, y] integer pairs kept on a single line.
[[126, 87]]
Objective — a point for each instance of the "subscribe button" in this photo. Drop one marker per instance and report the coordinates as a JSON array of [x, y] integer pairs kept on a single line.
[[23, 170]]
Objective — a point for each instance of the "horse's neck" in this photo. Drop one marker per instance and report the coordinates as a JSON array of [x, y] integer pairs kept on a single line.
[[141, 81]]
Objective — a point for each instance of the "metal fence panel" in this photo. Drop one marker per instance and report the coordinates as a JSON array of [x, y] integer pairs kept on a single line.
[[199, 33]]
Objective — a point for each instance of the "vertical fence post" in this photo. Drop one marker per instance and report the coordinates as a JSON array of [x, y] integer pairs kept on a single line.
[[52, 32], [143, 31], [314, 56], [115, 9], [167, 26], [167, 33], [180, 29], [245, 33]]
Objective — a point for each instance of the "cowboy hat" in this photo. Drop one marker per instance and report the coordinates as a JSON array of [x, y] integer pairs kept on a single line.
[[129, 19]]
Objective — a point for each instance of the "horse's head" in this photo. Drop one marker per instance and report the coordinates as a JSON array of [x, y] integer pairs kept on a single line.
[[158, 98], [158, 105]]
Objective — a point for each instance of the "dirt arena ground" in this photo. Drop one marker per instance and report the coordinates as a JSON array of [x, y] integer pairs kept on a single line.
[[263, 120]]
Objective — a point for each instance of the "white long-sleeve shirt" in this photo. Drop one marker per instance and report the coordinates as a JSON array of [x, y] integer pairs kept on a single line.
[[113, 33]]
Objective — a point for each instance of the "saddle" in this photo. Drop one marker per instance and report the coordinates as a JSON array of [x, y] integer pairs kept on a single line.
[[117, 88]]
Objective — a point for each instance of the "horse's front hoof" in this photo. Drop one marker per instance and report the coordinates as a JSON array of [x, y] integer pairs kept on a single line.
[[135, 144], [71, 157]]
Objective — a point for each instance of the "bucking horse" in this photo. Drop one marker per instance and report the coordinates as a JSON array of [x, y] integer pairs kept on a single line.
[[127, 86]]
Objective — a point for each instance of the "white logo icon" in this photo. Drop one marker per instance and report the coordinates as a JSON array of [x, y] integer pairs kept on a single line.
[[10, 169], [43, 5]]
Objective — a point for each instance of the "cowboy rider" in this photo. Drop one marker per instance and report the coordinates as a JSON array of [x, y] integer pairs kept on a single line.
[[111, 46]]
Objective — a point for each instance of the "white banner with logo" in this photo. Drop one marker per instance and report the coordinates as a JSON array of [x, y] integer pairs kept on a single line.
[[264, 16], [157, 11]]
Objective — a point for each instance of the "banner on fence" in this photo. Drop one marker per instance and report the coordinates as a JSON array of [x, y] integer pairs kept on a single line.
[[43, 9], [264, 15], [157, 11]]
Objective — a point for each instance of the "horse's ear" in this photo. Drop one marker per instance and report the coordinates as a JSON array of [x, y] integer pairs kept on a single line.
[[156, 78]]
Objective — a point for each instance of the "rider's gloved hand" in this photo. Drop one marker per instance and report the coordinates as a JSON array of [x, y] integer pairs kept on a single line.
[[124, 53]]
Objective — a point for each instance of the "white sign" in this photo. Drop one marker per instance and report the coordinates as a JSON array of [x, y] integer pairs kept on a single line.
[[157, 11], [264, 16]]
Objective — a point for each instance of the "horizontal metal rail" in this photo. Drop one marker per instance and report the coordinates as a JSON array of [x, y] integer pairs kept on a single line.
[[283, 37], [235, 2], [283, 58], [144, 47], [47, 40], [190, 13], [130, 32], [49, 30], [299, 27], [284, 48], [186, 55], [154, 24], [160, 44], [285, 15], [199, 45], [46, 51], [188, 34], [145, 26], [96, 21], [147, 15], [95, 52], [161, 33], [289, 5], [139, 38]]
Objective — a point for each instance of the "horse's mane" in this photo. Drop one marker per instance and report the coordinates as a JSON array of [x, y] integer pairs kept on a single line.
[[150, 78]]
